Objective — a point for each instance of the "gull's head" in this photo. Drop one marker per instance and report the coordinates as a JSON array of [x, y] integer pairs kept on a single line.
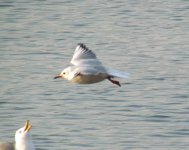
[[23, 133], [23, 139], [64, 74]]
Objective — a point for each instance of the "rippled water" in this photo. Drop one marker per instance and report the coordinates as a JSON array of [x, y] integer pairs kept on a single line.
[[149, 39]]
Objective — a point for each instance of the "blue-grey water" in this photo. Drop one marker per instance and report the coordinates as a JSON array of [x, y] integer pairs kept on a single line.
[[148, 39]]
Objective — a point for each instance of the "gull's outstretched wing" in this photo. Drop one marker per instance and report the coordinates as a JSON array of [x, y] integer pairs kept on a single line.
[[82, 54]]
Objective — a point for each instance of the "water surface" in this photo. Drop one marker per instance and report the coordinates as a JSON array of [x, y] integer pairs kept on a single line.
[[149, 39]]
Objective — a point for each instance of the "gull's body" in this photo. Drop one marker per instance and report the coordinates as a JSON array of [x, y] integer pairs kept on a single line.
[[7, 146], [87, 69], [23, 140]]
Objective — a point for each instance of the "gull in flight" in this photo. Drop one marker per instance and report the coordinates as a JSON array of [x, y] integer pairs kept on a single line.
[[87, 69], [22, 140]]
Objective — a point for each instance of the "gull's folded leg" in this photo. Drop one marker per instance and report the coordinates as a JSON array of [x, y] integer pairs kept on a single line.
[[114, 81]]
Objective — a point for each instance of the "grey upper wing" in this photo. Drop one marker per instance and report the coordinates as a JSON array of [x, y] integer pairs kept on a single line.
[[7, 146], [82, 53]]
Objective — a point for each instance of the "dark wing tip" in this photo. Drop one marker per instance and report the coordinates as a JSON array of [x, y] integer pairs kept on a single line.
[[83, 46], [84, 52]]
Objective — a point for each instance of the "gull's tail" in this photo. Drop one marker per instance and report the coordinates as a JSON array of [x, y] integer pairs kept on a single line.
[[117, 73]]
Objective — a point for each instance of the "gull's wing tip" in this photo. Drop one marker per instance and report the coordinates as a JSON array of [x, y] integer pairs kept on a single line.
[[82, 52], [82, 45]]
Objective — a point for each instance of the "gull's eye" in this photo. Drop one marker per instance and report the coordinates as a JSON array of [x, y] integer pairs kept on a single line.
[[20, 132], [64, 73]]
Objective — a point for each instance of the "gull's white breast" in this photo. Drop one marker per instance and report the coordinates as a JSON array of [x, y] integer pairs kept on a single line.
[[88, 79]]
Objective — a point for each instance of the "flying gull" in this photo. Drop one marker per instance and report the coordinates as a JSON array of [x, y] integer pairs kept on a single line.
[[87, 69]]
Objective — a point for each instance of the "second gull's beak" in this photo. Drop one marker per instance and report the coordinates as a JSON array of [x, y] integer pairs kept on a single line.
[[27, 126]]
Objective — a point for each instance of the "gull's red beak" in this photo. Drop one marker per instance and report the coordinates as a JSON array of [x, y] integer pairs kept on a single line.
[[58, 76]]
